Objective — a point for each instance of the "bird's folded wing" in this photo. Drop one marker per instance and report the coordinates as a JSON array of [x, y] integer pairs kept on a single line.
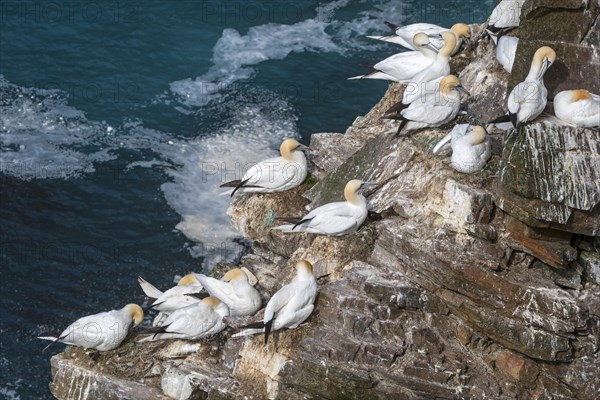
[[217, 288], [279, 300]]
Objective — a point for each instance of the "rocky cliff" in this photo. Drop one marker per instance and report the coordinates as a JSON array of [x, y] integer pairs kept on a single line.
[[484, 285]]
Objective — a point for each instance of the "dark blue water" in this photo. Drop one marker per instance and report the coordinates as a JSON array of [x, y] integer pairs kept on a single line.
[[120, 118]]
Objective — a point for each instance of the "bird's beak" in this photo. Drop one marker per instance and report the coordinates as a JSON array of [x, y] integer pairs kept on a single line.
[[303, 148], [545, 65], [430, 47], [460, 88]]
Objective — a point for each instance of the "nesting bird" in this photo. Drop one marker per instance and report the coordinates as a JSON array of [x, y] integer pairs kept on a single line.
[[441, 65], [195, 321], [506, 48], [431, 109], [103, 331], [471, 148], [403, 66], [528, 99], [334, 219], [403, 35], [505, 16], [275, 174], [175, 297], [290, 306], [578, 107], [235, 291]]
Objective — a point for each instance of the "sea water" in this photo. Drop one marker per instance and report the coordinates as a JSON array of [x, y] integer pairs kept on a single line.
[[119, 119]]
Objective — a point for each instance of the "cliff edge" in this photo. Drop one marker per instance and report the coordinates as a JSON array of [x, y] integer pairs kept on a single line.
[[482, 285]]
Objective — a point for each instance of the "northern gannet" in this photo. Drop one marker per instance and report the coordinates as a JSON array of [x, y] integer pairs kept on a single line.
[[403, 66], [506, 48], [439, 67], [578, 107], [431, 109], [290, 306], [403, 35], [506, 15], [192, 322], [175, 297], [103, 331], [335, 219], [235, 291], [275, 174], [471, 148], [528, 99]]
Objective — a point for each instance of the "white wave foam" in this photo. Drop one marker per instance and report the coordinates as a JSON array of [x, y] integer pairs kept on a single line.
[[204, 163], [234, 54], [9, 394], [42, 137]]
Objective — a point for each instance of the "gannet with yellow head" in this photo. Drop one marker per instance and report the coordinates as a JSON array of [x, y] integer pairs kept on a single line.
[[275, 174], [578, 107], [195, 321], [471, 148], [403, 66], [440, 67], [335, 219], [235, 291], [103, 331], [290, 306], [403, 35], [431, 109], [528, 99], [175, 297]]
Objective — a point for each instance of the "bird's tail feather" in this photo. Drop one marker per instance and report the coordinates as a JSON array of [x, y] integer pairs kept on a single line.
[[393, 27], [268, 326], [291, 220], [248, 332], [502, 118], [233, 184], [373, 75], [48, 338], [284, 228], [442, 143], [53, 340], [251, 329], [149, 289]]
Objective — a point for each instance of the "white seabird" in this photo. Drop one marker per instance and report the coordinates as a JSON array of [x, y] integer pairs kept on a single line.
[[403, 66], [431, 109], [506, 15], [578, 107], [235, 291], [403, 35], [290, 306], [439, 68], [471, 148], [175, 297], [528, 99], [335, 219], [506, 48], [275, 174], [103, 331], [192, 322]]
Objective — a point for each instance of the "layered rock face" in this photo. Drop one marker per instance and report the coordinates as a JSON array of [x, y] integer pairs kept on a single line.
[[474, 286]]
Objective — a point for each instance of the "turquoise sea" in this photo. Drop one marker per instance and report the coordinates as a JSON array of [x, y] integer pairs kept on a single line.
[[120, 118]]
